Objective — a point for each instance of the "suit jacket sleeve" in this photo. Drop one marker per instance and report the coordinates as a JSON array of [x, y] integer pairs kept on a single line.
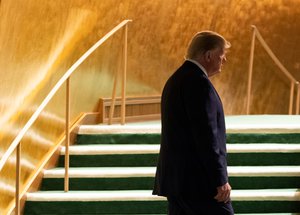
[[202, 107]]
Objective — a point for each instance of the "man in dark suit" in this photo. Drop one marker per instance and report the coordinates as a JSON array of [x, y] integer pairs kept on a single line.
[[192, 166]]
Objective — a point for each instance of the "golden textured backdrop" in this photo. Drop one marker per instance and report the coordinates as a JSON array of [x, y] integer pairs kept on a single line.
[[40, 39]]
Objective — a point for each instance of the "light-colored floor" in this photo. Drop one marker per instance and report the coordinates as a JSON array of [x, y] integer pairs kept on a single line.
[[263, 123]]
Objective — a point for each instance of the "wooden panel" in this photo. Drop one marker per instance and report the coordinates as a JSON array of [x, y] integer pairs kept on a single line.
[[137, 108]]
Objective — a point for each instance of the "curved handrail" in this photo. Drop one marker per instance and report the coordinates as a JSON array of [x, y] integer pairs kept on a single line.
[[293, 80], [272, 55], [69, 72]]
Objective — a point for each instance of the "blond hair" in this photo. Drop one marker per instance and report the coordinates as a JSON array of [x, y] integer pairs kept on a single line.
[[204, 41]]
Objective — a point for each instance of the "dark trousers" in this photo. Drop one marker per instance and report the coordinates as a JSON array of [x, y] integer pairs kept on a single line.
[[188, 206]]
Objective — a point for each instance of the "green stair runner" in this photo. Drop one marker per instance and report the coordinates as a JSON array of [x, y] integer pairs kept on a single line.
[[116, 178], [113, 174]]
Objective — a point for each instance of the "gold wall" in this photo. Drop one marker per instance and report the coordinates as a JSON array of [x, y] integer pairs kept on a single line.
[[40, 39]]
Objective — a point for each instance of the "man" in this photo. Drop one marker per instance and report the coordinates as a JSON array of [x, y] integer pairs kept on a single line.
[[192, 166]]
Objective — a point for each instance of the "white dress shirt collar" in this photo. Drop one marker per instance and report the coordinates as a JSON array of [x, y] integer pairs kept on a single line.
[[199, 65]]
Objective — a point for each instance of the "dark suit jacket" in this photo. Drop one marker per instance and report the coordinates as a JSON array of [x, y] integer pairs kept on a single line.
[[192, 159]]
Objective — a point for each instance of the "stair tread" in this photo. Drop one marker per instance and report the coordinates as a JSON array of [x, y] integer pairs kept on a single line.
[[112, 149], [146, 195], [120, 129], [234, 124], [128, 157], [103, 149], [111, 172]]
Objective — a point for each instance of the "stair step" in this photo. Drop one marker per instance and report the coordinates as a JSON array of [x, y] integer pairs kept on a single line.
[[263, 159], [115, 160], [234, 124], [147, 155], [121, 172], [101, 172], [263, 148], [145, 183], [154, 138], [88, 196], [146, 195], [127, 160], [108, 149], [104, 149], [134, 178], [147, 207], [141, 202], [154, 128]]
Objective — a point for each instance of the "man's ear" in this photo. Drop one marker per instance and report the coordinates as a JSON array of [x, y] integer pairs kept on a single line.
[[208, 56]]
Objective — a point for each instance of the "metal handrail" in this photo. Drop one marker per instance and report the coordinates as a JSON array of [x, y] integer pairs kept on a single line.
[[292, 79], [66, 78]]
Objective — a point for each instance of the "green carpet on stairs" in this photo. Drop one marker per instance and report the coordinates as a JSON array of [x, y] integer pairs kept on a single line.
[[155, 138], [146, 183], [133, 160], [150, 160], [234, 159], [118, 139], [149, 207]]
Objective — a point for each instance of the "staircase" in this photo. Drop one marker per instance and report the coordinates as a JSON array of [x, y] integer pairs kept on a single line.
[[112, 170]]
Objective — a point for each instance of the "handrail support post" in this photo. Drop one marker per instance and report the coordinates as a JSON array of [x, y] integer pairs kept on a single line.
[[67, 142], [291, 98], [298, 98], [18, 176], [113, 99], [123, 104], [250, 72]]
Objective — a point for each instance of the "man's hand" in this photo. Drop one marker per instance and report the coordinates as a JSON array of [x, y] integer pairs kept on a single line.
[[223, 194]]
